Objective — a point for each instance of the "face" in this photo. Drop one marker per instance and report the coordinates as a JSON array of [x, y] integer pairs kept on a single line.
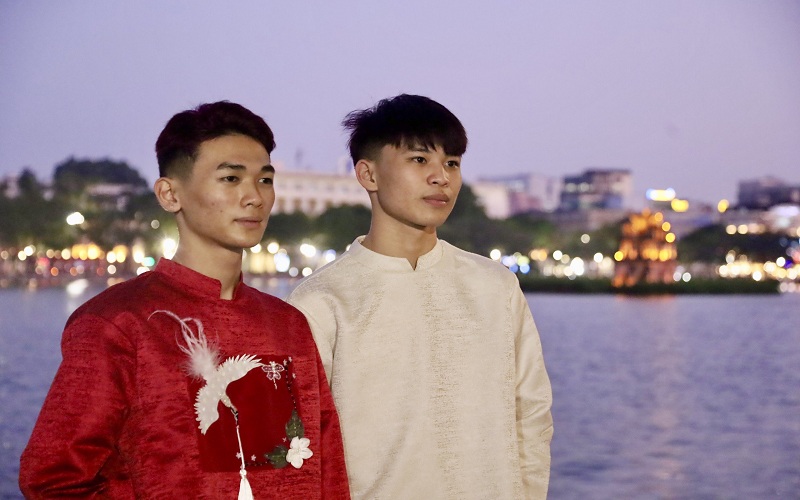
[[226, 200], [414, 187]]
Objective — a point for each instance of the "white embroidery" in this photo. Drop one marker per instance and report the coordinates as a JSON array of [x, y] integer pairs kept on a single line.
[[204, 362], [298, 451], [273, 372]]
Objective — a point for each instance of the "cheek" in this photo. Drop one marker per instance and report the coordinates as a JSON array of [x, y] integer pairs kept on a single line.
[[213, 206]]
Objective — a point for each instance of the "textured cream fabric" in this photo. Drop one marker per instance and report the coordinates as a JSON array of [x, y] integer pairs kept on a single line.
[[437, 374]]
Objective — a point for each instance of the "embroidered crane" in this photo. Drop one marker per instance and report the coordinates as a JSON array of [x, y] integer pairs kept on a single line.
[[204, 363]]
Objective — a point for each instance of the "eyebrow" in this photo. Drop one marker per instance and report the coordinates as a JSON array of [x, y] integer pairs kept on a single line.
[[269, 169], [419, 148]]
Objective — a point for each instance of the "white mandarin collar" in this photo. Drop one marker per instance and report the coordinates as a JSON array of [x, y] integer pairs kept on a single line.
[[395, 264]]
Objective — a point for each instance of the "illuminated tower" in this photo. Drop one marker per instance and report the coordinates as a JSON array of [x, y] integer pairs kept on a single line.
[[646, 251]]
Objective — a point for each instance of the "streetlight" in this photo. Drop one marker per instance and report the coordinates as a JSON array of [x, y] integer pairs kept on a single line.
[[75, 219]]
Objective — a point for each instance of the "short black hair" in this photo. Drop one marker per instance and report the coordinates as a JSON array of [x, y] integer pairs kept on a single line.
[[178, 144], [404, 120]]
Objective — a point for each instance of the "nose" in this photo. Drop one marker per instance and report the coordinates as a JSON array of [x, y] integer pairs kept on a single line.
[[439, 176], [252, 195]]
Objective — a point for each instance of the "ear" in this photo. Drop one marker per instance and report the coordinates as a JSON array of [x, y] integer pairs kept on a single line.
[[365, 173], [167, 197]]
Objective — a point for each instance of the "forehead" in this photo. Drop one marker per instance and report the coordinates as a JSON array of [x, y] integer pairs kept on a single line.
[[230, 147], [416, 146]]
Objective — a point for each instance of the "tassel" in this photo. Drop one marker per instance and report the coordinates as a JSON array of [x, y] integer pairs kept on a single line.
[[245, 493]]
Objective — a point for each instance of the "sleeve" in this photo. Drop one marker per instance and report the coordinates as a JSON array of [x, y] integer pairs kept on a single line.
[[322, 322], [334, 472], [73, 445], [534, 400]]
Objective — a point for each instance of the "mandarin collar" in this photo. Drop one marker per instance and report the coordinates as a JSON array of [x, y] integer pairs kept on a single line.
[[193, 281], [397, 264]]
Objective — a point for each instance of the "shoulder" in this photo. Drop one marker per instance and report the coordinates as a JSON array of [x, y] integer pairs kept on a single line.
[[325, 279], [120, 297], [271, 305], [478, 266], [114, 312]]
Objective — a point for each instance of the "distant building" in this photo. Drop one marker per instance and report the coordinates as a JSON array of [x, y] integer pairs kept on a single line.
[[696, 216], [494, 197], [9, 186], [587, 220], [112, 196], [521, 193], [777, 219], [765, 192], [597, 188], [314, 192], [683, 216]]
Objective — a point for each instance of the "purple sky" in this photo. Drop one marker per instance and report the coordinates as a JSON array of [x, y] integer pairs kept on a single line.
[[689, 94]]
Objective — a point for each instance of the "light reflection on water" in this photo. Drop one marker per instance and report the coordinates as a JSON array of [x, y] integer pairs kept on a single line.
[[683, 397], [687, 397]]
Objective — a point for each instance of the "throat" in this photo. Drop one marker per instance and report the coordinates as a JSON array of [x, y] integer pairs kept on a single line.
[[407, 248]]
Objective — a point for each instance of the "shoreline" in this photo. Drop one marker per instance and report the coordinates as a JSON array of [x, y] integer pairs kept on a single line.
[[528, 284], [698, 286]]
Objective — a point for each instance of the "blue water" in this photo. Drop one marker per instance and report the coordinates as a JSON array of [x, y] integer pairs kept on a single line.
[[687, 397]]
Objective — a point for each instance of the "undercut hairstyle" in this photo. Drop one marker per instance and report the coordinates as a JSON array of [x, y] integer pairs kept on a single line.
[[404, 120], [178, 144]]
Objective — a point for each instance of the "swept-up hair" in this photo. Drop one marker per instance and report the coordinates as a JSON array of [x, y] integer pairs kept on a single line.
[[404, 120], [179, 143]]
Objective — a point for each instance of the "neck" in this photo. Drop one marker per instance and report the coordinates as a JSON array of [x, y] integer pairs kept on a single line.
[[224, 266], [408, 244]]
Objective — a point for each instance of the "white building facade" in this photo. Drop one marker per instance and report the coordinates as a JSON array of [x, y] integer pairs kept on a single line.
[[314, 192]]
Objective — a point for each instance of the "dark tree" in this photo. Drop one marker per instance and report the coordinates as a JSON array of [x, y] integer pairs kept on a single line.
[[337, 227], [73, 176], [468, 226], [288, 228], [712, 243]]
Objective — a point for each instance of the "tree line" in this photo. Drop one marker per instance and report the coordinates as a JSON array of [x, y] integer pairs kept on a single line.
[[37, 215]]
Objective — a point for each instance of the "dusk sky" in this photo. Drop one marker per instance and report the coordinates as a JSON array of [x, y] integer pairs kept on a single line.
[[690, 94]]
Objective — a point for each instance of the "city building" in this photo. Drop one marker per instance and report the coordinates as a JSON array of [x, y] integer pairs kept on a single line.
[[515, 194], [765, 192], [784, 219], [112, 196], [314, 192], [597, 188], [494, 197], [9, 186], [587, 220], [684, 216]]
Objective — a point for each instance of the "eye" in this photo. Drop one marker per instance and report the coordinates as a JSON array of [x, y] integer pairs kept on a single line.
[[418, 159], [453, 163], [266, 180], [229, 178]]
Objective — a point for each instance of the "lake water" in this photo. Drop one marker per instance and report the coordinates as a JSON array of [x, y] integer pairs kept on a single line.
[[683, 397]]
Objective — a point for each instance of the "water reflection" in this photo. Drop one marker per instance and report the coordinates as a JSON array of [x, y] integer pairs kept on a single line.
[[687, 397], [673, 397]]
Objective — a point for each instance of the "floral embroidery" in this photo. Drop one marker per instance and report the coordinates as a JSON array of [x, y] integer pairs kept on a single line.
[[298, 448], [298, 451], [273, 372]]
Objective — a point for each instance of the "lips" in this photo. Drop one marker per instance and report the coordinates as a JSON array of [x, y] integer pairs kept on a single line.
[[440, 198], [250, 221]]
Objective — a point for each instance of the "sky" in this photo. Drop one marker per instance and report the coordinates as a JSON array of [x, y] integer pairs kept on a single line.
[[695, 95]]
